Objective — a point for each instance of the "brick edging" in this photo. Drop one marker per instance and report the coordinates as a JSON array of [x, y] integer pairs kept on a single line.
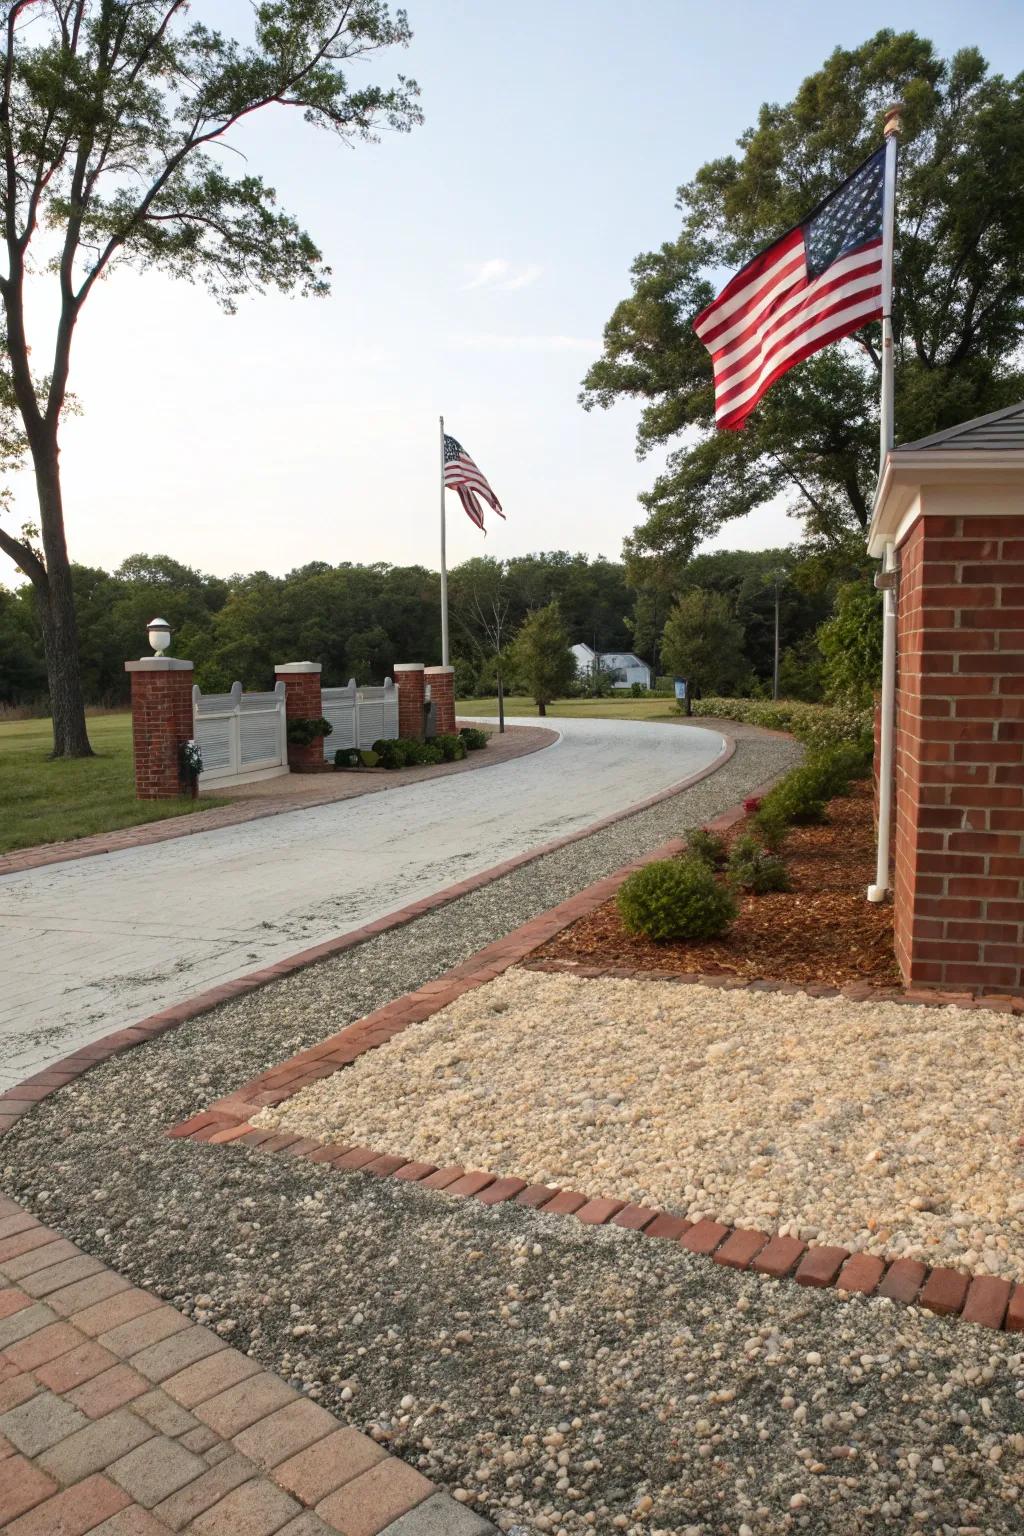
[[15, 1102], [985, 1299]]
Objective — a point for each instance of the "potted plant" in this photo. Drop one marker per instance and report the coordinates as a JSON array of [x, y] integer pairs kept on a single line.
[[306, 744], [190, 765]]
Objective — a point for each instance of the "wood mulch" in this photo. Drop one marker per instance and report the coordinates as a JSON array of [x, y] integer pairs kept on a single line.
[[822, 931]]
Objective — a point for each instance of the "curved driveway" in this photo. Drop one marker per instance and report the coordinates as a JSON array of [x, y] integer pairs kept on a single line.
[[99, 943]]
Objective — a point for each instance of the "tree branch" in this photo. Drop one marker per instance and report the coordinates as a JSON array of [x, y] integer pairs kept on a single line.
[[25, 558]]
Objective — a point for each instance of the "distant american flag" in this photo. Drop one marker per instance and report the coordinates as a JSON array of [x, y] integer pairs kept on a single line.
[[819, 282], [462, 475]]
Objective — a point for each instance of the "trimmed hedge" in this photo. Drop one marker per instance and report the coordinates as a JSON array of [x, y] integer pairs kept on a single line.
[[675, 899], [453, 748], [475, 739], [818, 726]]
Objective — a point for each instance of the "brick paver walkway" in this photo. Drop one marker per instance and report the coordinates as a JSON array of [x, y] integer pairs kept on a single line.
[[120, 1417]]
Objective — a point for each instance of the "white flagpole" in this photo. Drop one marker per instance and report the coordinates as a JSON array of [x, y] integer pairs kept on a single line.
[[444, 567], [887, 706], [893, 125]]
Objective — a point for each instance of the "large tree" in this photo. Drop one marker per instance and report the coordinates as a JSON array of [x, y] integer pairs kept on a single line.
[[114, 115], [959, 296]]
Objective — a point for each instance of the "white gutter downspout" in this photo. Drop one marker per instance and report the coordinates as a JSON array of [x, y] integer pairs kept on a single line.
[[887, 580]]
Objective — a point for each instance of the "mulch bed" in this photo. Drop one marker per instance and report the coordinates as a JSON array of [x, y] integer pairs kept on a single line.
[[821, 931]]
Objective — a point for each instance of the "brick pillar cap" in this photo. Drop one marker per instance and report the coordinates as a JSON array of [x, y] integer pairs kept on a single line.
[[408, 666], [158, 664], [439, 669], [294, 668]]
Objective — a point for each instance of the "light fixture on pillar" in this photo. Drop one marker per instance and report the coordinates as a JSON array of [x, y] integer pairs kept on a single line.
[[158, 633]]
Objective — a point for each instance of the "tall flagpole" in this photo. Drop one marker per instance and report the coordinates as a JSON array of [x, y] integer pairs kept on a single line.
[[893, 127], [444, 567], [887, 438]]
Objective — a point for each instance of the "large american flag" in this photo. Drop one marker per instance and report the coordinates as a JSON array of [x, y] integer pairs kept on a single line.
[[462, 475], [821, 281]]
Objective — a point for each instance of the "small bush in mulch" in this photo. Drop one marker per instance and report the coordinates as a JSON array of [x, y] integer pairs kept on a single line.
[[706, 846], [754, 868], [675, 899], [475, 739], [822, 930]]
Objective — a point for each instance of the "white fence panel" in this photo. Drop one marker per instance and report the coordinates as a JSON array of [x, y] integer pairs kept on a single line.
[[360, 716], [241, 736]]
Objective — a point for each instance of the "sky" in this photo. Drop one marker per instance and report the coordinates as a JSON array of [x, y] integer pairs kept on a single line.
[[475, 262]]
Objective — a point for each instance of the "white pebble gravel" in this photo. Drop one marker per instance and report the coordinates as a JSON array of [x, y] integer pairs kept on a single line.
[[883, 1127]]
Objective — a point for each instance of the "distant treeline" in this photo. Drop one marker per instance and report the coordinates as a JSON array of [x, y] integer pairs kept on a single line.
[[358, 620]]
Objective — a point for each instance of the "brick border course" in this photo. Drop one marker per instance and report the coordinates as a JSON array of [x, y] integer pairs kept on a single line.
[[132, 1436], [772, 1255]]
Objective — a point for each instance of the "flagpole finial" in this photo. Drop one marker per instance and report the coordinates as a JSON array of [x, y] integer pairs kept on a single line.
[[893, 122]]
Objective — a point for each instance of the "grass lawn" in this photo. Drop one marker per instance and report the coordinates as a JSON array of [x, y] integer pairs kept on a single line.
[[569, 709], [46, 802]]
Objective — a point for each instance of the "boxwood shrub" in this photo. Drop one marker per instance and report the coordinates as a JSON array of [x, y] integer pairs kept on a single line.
[[475, 739], [675, 899]]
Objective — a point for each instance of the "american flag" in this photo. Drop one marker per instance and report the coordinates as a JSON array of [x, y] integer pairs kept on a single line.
[[821, 281], [462, 475]]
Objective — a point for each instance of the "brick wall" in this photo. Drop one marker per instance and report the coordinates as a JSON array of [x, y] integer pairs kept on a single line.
[[442, 694], [161, 721], [959, 849], [302, 701], [411, 684]]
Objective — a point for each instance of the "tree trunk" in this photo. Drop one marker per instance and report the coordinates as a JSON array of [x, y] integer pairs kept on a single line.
[[542, 708], [56, 602], [501, 705]]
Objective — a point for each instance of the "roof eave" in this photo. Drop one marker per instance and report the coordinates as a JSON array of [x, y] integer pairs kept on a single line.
[[905, 470]]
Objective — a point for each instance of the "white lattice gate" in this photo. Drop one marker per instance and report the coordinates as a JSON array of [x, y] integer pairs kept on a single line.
[[360, 716], [242, 736]]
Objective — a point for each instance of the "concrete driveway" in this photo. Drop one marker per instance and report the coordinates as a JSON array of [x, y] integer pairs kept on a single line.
[[96, 944]]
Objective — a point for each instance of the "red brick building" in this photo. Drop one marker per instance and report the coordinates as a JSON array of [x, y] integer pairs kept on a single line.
[[948, 522]]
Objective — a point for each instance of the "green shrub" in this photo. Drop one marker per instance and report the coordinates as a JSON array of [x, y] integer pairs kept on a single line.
[[772, 827], [675, 899], [395, 752], [798, 797], [475, 739], [818, 726], [369, 759], [751, 868], [426, 754], [453, 748], [706, 846], [348, 757], [302, 732]]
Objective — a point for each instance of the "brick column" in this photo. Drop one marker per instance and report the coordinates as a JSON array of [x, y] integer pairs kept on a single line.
[[302, 701], [410, 682], [161, 721], [959, 848], [442, 693]]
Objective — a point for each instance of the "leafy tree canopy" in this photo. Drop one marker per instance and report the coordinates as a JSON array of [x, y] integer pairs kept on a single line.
[[541, 657], [958, 303], [704, 642]]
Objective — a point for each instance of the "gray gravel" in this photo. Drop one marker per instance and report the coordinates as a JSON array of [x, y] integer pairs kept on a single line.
[[553, 1378]]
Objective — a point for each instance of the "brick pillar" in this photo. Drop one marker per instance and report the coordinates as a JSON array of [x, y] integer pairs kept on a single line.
[[410, 682], [161, 721], [959, 849], [442, 693], [302, 701]]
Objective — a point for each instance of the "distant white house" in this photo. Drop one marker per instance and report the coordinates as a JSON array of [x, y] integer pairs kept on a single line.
[[623, 667]]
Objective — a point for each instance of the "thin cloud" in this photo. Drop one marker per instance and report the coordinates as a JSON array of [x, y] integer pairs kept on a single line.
[[502, 275], [489, 342]]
